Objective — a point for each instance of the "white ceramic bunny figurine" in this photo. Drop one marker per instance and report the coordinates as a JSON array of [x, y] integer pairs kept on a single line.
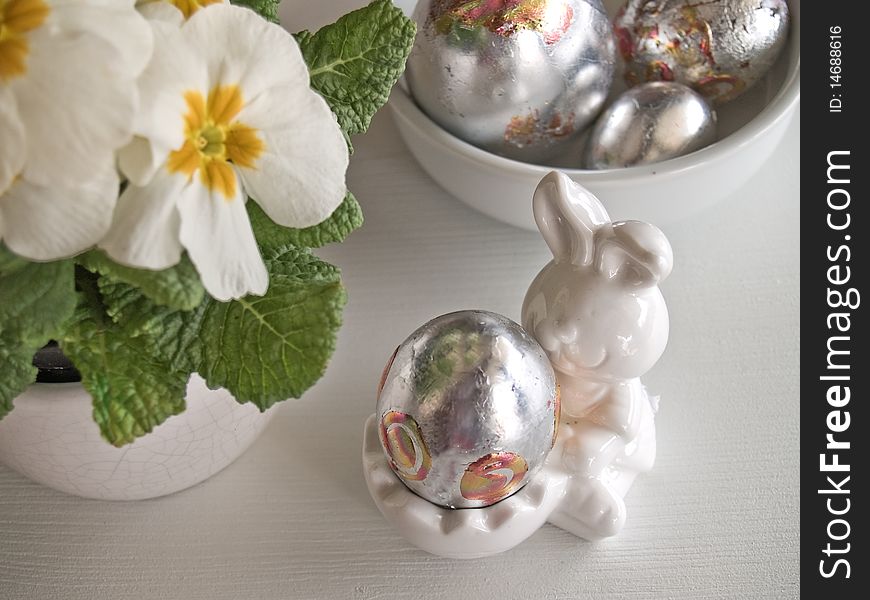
[[597, 310]]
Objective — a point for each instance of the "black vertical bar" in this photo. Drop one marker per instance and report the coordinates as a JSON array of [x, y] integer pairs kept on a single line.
[[834, 370]]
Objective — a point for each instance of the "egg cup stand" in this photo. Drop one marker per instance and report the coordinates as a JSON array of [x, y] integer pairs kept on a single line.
[[560, 494]]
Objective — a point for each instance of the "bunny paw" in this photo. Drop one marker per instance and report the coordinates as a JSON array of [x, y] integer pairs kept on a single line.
[[591, 510]]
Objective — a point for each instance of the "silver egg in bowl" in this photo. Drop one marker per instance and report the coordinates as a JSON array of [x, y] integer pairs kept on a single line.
[[721, 48], [650, 123], [519, 78], [467, 409]]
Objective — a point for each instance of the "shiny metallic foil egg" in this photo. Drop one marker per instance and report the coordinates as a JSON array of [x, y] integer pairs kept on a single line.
[[721, 48], [519, 78], [468, 409], [650, 123]]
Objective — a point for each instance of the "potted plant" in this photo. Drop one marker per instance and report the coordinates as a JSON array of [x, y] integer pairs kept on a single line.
[[166, 170]]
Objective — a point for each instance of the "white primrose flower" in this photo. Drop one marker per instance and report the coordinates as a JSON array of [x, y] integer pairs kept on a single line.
[[227, 113], [67, 102]]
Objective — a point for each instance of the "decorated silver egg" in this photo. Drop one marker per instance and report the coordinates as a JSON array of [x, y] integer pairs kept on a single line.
[[650, 123], [721, 48], [520, 78], [468, 409]]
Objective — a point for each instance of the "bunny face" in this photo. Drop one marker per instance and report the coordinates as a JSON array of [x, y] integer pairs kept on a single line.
[[596, 308], [592, 327]]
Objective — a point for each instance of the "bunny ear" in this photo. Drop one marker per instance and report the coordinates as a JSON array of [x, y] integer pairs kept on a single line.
[[645, 255], [567, 216]]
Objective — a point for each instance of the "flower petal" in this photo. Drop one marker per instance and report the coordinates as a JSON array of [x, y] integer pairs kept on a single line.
[[174, 70], [48, 223], [138, 161], [184, 9], [77, 104], [146, 223], [117, 23], [159, 10], [244, 49], [299, 179], [12, 133], [219, 240]]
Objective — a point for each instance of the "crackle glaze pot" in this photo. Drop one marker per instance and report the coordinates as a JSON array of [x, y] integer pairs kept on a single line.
[[50, 437]]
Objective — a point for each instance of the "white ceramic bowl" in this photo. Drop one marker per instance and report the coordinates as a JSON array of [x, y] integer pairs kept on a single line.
[[750, 129]]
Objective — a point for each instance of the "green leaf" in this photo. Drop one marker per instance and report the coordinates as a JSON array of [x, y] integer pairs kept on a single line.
[[262, 349], [270, 236], [16, 373], [177, 287], [172, 335], [133, 391], [300, 264], [268, 9], [355, 62], [8, 261], [267, 349], [36, 301]]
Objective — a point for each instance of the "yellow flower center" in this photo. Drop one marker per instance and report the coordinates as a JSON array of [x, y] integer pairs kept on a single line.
[[17, 19], [214, 140], [188, 7]]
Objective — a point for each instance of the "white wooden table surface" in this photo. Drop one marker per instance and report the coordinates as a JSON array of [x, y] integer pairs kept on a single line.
[[717, 517]]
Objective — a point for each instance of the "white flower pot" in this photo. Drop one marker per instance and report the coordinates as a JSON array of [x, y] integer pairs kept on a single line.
[[51, 437]]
